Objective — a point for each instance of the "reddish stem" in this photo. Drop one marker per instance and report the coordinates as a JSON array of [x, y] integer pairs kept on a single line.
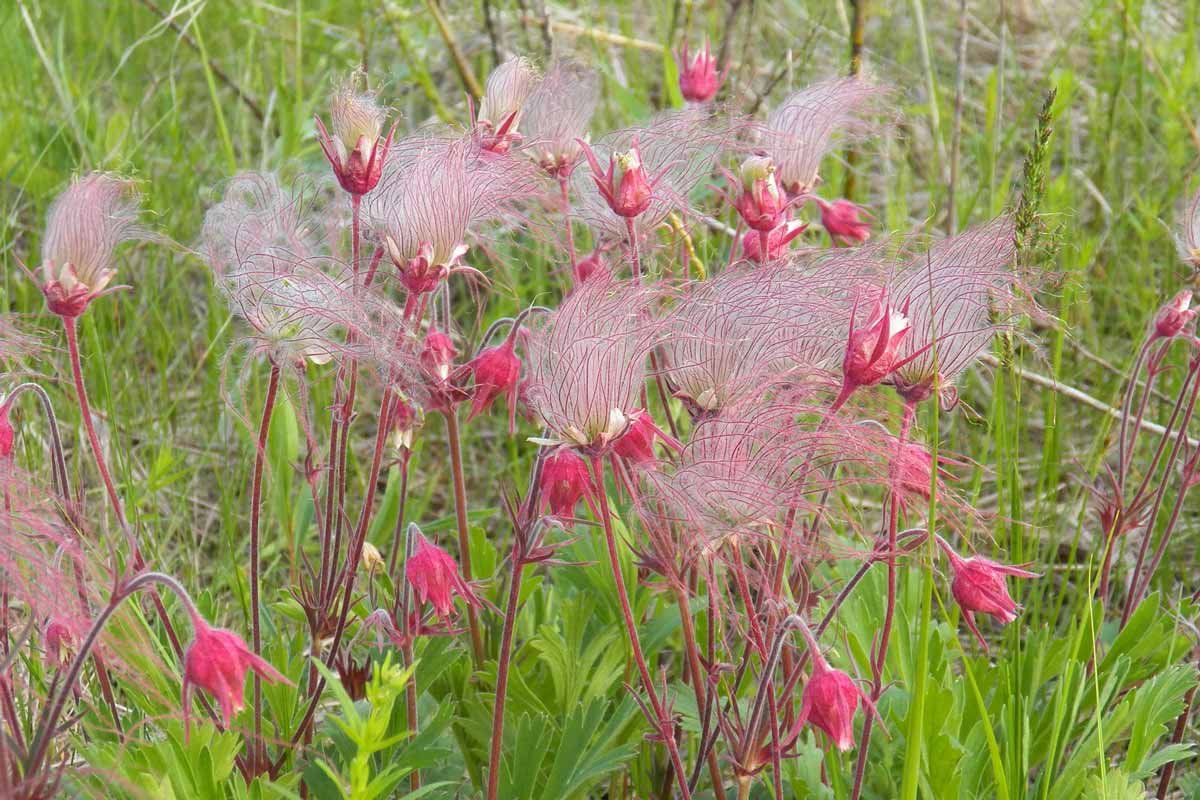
[[453, 440], [566, 200]]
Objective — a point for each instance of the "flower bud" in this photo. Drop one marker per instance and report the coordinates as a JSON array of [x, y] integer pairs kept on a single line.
[[372, 559], [434, 577], [829, 703], [217, 661], [355, 152], [777, 242], [437, 356], [871, 352], [7, 435], [497, 371], [761, 202], [698, 78], [637, 443], [841, 220], [1175, 316], [564, 481], [979, 587], [624, 186]]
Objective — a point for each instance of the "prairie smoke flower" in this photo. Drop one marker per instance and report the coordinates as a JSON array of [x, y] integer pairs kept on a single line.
[[841, 219], [587, 363], [354, 151], [372, 560], [829, 702], [431, 194], [777, 242], [800, 131], [504, 96], [7, 435], [760, 202], [497, 371], [404, 418], [564, 481], [434, 577], [1188, 239], [872, 351], [698, 78], [59, 637], [557, 115], [625, 186], [437, 363], [953, 294], [1175, 316], [636, 445], [592, 264], [979, 587], [217, 661], [83, 228]]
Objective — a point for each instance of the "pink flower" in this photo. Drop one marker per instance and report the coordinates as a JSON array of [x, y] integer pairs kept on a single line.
[[777, 242], [497, 371], [437, 356], [83, 228], [1175, 316], [404, 421], [761, 202], [593, 263], [830, 701], [217, 661], [840, 219], [698, 78], [564, 481], [637, 444], [871, 352], [979, 587], [354, 151], [7, 435], [434, 577], [504, 96], [58, 636], [624, 186]]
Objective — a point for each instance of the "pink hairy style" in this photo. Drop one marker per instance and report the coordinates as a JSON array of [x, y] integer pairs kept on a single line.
[[1188, 238], [265, 248], [587, 362], [801, 130], [433, 192], [84, 226], [979, 587], [504, 97], [355, 151], [957, 295], [557, 115], [677, 150]]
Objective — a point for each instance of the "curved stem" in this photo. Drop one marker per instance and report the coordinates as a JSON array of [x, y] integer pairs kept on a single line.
[[505, 659], [260, 457]]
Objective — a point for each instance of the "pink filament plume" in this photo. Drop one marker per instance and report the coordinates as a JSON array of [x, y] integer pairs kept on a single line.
[[557, 114]]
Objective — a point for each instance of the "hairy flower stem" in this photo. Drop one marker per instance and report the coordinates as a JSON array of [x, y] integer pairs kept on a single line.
[[355, 235], [1168, 770], [889, 613], [510, 619], [1126, 405], [398, 532], [563, 177], [664, 723], [699, 678], [454, 442], [257, 748]]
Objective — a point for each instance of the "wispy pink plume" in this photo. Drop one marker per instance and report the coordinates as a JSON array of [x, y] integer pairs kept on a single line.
[[435, 190], [85, 224], [959, 294], [802, 129], [557, 114], [1188, 238], [680, 146], [15, 342], [266, 247], [587, 362], [747, 330], [504, 97]]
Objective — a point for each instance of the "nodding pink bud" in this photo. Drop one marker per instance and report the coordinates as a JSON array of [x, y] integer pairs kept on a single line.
[[841, 220], [434, 577], [217, 661], [761, 201], [698, 78], [912, 468], [637, 444], [437, 356], [830, 701], [587, 267], [564, 481], [871, 352], [58, 640], [624, 186], [1175, 316], [404, 421], [497, 371], [777, 241], [7, 435], [979, 587], [355, 151]]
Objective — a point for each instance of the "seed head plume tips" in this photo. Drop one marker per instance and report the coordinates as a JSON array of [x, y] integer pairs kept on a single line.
[[557, 115], [504, 98], [355, 151], [1188, 238], [85, 224], [979, 587]]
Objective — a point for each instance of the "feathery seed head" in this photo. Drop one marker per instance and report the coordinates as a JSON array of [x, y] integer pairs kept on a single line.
[[355, 151], [504, 97], [557, 114]]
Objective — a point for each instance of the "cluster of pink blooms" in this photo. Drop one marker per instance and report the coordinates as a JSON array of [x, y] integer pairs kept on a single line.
[[727, 411]]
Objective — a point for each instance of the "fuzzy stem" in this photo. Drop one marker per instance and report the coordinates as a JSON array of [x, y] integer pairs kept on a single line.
[[510, 618], [890, 612], [631, 629], [454, 441], [257, 751], [635, 259], [398, 533], [699, 678], [1122, 458]]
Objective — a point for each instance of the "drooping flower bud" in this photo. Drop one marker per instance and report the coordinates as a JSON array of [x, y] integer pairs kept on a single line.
[[841, 220], [830, 701], [591, 265], [217, 661], [1175, 316], [979, 587], [698, 77], [434, 577], [58, 639], [372, 559], [497, 371], [625, 185], [761, 202], [871, 351], [405, 420], [637, 444], [355, 151], [777, 241], [564, 481]]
